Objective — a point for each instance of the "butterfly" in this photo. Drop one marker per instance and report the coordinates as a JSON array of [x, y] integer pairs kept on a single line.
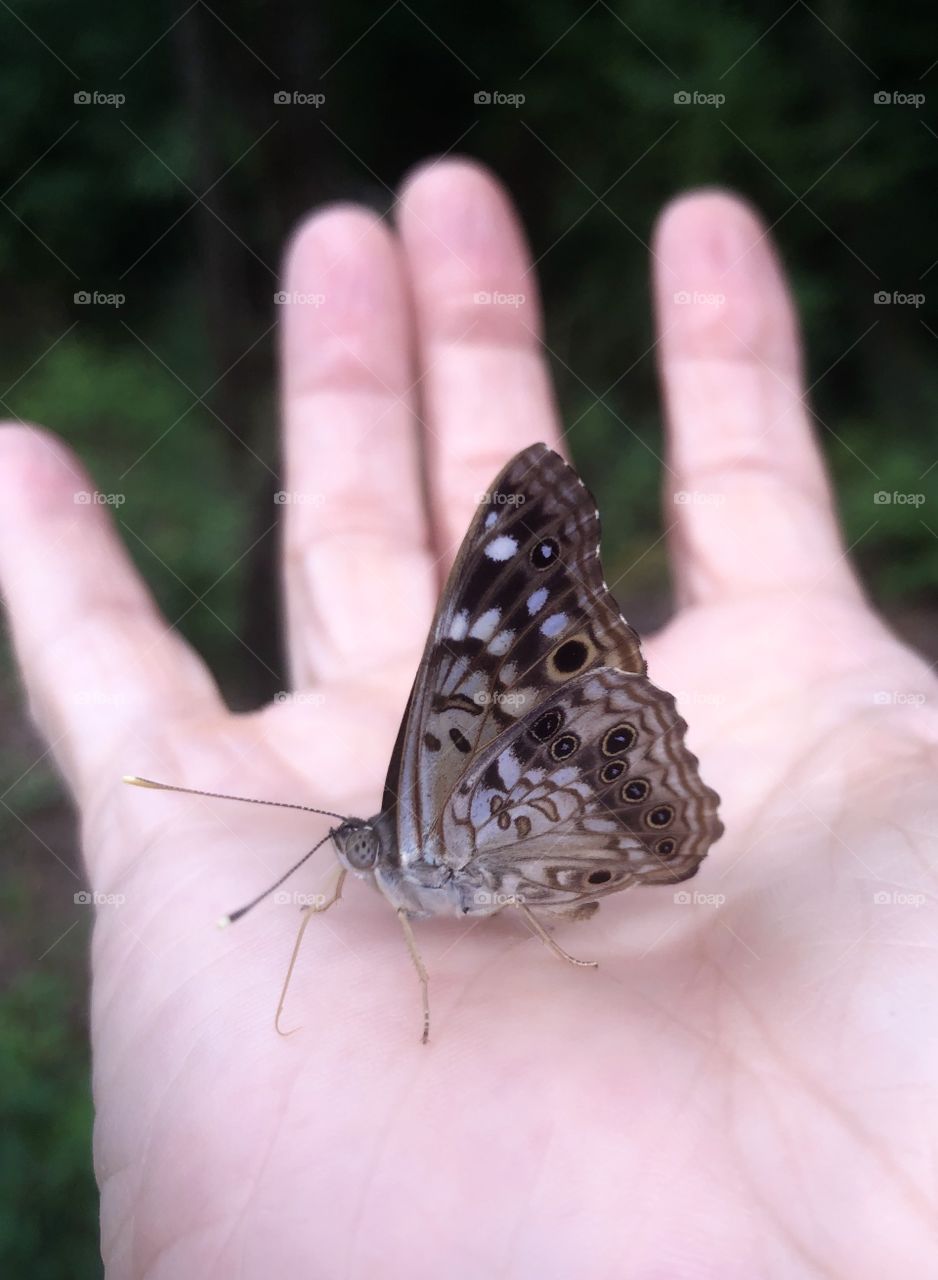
[[536, 766]]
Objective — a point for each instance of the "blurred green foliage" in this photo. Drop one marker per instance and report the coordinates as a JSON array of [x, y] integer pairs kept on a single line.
[[48, 1226], [181, 199]]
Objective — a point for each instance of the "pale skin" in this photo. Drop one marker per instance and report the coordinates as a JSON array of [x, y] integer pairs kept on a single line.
[[743, 1088]]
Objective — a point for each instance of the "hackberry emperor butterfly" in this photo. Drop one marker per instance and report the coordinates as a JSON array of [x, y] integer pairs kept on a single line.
[[536, 765]]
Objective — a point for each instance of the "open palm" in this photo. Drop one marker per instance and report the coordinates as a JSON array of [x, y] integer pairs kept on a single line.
[[745, 1087]]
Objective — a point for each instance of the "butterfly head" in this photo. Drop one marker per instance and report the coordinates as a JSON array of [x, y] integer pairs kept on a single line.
[[357, 845]]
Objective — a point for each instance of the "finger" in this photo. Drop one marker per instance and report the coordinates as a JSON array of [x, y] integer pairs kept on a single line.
[[98, 661], [747, 490], [355, 531], [484, 379]]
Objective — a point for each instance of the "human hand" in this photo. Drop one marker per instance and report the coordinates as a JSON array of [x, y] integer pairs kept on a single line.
[[744, 1085]]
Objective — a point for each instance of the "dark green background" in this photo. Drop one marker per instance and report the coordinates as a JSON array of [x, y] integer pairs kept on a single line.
[[171, 397]]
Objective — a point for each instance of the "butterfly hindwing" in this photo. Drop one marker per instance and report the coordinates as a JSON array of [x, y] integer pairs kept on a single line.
[[593, 791]]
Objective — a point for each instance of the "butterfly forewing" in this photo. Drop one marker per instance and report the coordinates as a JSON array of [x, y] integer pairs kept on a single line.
[[526, 610]]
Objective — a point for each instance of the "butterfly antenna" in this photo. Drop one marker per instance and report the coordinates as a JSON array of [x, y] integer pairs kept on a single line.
[[134, 781], [236, 915]]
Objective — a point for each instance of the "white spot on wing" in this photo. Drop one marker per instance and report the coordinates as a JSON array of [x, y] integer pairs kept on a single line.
[[554, 624], [459, 626], [501, 548], [490, 519], [484, 628], [509, 769], [501, 644], [536, 600]]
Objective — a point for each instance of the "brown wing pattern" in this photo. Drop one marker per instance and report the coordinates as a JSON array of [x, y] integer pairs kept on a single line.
[[594, 791], [526, 609]]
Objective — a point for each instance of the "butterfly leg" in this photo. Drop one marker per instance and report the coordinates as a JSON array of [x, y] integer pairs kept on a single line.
[[421, 971], [308, 913], [550, 942]]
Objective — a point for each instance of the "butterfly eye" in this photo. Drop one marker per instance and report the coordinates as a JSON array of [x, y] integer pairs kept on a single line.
[[614, 769], [618, 739], [660, 817], [545, 553], [565, 746], [359, 844], [599, 877], [545, 726], [635, 790], [664, 848]]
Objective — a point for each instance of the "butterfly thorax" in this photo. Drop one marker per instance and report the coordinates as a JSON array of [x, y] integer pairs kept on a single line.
[[417, 884]]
